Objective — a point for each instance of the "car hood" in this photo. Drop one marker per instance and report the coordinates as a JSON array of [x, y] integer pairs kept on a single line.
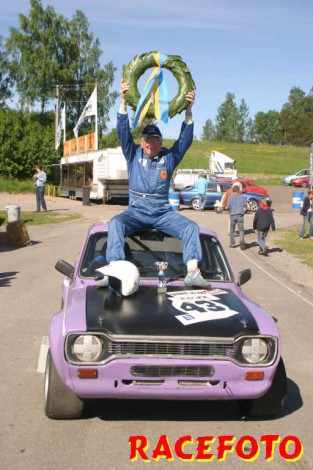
[[255, 189], [180, 312]]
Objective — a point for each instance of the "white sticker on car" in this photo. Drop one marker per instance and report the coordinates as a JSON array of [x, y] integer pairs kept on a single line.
[[199, 306]]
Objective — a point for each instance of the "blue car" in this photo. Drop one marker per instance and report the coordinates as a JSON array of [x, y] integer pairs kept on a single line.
[[215, 191]]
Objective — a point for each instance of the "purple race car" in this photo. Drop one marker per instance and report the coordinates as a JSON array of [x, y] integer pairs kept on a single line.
[[135, 331]]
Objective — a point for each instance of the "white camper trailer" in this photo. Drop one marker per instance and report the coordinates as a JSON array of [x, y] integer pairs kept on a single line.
[[222, 165], [104, 171]]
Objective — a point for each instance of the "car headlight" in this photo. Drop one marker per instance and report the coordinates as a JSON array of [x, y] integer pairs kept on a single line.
[[87, 348], [255, 350]]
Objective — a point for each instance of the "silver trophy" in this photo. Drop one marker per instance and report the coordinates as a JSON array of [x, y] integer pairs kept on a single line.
[[161, 266]]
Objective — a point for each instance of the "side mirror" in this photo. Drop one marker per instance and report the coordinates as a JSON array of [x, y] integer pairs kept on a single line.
[[243, 276], [65, 268]]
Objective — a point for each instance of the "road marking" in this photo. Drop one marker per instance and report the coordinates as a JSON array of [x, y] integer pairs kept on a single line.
[[279, 282]]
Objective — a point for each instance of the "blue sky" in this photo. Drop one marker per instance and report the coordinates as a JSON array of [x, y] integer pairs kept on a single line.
[[257, 50]]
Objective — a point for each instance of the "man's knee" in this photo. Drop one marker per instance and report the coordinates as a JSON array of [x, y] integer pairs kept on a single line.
[[116, 223], [192, 228]]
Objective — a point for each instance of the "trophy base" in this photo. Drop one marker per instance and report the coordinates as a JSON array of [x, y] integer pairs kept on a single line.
[[162, 290]]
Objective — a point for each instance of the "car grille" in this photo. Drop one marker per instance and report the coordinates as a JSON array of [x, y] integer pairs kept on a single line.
[[172, 371], [142, 348]]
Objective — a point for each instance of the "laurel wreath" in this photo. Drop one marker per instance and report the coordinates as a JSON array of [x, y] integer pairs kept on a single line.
[[139, 64]]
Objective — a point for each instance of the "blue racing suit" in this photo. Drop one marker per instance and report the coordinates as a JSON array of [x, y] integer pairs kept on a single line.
[[149, 207]]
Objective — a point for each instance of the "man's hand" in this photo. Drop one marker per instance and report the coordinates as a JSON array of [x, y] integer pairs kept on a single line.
[[191, 98], [124, 86]]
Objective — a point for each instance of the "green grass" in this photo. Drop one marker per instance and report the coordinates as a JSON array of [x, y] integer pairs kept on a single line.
[[40, 218], [303, 249], [263, 163], [15, 186]]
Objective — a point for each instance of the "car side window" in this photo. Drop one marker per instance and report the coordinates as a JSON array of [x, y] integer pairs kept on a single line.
[[94, 255], [211, 188]]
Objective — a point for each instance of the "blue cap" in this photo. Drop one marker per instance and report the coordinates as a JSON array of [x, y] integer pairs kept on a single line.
[[151, 131]]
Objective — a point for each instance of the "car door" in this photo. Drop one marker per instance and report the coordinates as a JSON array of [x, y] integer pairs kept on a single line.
[[213, 193]]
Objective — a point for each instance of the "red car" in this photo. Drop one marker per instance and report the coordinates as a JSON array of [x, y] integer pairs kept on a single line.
[[303, 182], [247, 186], [253, 188]]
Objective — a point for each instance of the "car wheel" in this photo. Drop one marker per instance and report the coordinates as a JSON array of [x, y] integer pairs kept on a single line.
[[218, 210], [60, 402], [252, 205], [274, 399], [195, 204], [304, 185]]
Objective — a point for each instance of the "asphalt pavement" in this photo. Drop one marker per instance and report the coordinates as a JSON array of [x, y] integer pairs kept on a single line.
[[30, 293]]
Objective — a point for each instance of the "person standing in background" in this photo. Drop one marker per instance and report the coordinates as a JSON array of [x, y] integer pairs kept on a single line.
[[263, 220], [307, 212], [236, 204], [229, 192], [40, 182], [201, 186]]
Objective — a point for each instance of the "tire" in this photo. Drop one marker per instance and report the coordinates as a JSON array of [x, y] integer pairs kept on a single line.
[[304, 185], [60, 402], [194, 204], [252, 205], [274, 399], [218, 210]]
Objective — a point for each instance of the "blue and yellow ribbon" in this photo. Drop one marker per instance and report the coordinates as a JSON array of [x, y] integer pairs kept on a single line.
[[154, 88]]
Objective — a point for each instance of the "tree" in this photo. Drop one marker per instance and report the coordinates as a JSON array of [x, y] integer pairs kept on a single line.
[[35, 49], [296, 118], [226, 120], [266, 127], [208, 131], [5, 81], [242, 121], [47, 50], [24, 142], [83, 68]]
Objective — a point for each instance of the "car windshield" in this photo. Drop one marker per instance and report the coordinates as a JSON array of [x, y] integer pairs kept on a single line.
[[145, 248]]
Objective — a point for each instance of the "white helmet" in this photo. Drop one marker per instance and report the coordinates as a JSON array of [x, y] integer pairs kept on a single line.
[[124, 271]]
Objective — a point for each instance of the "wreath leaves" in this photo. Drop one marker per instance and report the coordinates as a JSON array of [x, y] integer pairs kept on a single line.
[[139, 64]]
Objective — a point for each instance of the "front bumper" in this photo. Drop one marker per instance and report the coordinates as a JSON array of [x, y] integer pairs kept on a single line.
[[115, 380]]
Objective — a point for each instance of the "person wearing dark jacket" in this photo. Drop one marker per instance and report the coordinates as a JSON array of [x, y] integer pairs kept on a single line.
[[307, 212], [262, 222]]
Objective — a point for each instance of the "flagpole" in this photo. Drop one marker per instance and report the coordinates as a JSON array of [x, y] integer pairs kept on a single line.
[[56, 117], [96, 126], [64, 124]]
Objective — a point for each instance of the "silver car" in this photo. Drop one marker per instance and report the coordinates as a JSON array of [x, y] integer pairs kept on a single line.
[[289, 178]]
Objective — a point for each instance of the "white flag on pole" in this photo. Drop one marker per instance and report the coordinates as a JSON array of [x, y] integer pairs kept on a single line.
[[89, 110], [61, 127]]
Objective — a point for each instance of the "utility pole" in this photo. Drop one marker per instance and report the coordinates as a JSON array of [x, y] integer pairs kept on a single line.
[[311, 168], [57, 96]]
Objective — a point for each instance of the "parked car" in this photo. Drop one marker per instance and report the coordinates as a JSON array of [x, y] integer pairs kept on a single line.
[[249, 186], [186, 178], [253, 188], [303, 182], [164, 341], [189, 196], [289, 178]]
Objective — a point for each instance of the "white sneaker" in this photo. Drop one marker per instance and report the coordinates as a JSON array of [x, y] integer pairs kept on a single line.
[[194, 279]]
